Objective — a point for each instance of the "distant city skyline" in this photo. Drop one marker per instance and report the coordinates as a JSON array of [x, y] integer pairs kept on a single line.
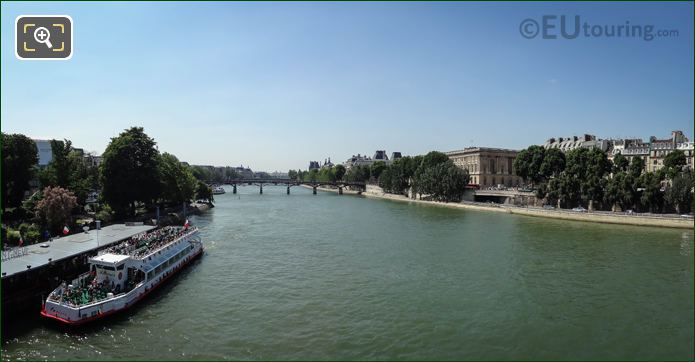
[[273, 86]]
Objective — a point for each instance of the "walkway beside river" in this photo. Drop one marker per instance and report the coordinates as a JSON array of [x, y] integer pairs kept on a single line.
[[605, 217]]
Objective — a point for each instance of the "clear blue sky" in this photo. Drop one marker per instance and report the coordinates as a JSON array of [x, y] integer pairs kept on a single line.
[[274, 85]]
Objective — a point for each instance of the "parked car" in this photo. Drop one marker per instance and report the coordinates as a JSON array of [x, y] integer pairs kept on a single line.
[[549, 207], [579, 208]]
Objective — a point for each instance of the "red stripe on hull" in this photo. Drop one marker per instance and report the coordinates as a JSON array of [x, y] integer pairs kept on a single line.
[[46, 314]]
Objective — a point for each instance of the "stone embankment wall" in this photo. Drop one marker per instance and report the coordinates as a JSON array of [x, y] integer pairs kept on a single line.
[[600, 217]]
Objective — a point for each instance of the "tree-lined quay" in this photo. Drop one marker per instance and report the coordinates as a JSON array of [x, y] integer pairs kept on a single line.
[[134, 179], [131, 182]]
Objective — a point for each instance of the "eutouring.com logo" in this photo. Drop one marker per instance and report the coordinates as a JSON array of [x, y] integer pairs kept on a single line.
[[573, 27]]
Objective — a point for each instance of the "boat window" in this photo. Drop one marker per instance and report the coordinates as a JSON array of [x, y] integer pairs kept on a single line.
[[109, 268], [120, 267]]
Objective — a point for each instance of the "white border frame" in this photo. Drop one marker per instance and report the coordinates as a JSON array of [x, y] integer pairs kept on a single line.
[[72, 35]]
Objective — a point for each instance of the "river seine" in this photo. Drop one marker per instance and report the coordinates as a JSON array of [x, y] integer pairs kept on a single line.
[[332, 276]]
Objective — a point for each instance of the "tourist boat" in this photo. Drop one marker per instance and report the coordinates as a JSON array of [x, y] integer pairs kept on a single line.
[[123, 274], [218, 190]]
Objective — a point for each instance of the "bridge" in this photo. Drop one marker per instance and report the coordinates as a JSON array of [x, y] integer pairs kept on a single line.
[[362, 186]]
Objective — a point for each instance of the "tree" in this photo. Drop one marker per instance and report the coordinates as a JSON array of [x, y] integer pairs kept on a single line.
[[19, 160], [358, 173], [652, 198], [178, 183], [679, 194], [443, 182], [588, 166], [621, 190], [636, 167], [59, 170], [673, 163], [292, 174], [55, 207], [385, 180], [527, 164], [339, 172], [620, 163], [204, 192], [130, 171], [553, 163], [376, 169]]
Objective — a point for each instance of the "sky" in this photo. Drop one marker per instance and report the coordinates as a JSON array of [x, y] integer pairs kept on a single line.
[[275, 85]]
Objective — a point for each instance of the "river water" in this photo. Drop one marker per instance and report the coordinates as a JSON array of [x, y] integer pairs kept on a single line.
[[332, 276]]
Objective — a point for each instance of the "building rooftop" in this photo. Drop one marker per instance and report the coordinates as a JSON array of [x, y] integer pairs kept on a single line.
[[479, 149], [37, 255]]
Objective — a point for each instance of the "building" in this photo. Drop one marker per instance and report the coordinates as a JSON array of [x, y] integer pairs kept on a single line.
[[380, 155], [45, 152], [570, 143], [660, 148], [327, 163], [487, 167], [363, 160], [94, 161], [314, 165], [630, 148], [243, 172]]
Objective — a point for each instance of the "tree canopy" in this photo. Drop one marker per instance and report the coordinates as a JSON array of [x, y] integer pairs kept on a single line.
[[19, 161], [130, 171]]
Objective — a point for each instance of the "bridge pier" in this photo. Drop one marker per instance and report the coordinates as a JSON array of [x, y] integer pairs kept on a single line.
[[340, 190], [314, 190], [234, 190], [261, 189], [288, 190]]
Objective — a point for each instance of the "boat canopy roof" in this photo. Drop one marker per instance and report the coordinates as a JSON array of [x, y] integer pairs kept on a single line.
[[111, 259]]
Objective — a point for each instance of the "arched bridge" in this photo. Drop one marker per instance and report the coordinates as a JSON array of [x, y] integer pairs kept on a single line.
[[362, 186]]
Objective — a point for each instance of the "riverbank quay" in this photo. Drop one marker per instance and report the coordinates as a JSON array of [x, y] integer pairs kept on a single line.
[[605, 217], [346, 191], [29, 273]]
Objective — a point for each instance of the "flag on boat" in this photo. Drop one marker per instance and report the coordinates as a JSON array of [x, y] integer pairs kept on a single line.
[[66, 230], [21, 240], [185, 225]]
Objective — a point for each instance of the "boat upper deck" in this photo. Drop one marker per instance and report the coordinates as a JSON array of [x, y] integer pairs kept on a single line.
[[69, 246]]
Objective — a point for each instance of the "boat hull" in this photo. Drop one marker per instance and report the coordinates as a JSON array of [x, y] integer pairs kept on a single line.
[[144, 289]]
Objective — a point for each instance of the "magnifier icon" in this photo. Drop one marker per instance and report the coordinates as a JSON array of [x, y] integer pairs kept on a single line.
[[42, 35]]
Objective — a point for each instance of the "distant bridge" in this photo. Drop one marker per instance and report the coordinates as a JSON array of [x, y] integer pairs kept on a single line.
[[362, 186]]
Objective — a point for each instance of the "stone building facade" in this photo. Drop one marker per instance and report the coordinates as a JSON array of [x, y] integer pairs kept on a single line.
[[488, 167]]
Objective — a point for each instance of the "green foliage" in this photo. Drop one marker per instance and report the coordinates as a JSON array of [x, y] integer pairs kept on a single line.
[[12, 237], [358, 173], [204, 192], [673, 163], [376, 169], [679, 194], [443, 182], [30, 233], [527, 164], [652, 198], [553, 164], [636, 167], [55, 207], [292, 174], [130, 171], [178, 183], [19, 161], [620, 163], [339, 171], [69, 170], [214, 175], [105, 214]]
